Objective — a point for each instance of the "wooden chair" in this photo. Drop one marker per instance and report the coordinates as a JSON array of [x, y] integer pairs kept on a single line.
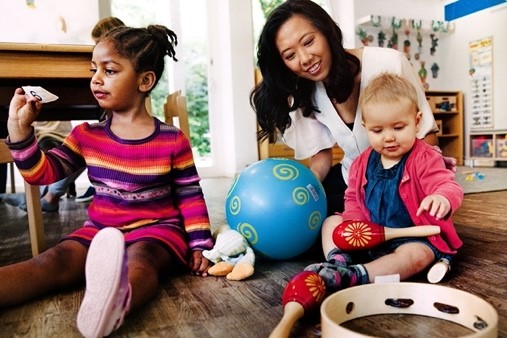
[[176, 107], [34, 210], [12, 179]]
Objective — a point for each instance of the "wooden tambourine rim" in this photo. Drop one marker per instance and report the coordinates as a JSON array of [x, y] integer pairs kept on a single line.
[[370, 299]]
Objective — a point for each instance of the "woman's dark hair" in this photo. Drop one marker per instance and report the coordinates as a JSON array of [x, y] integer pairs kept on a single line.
[[144, 47], [270, 98]]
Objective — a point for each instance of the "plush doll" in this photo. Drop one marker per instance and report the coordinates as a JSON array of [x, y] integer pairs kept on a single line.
[[232, 255]]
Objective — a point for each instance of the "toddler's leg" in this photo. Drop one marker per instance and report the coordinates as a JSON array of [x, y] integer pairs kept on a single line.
[[407, 260], [335, 259], [337, 272]]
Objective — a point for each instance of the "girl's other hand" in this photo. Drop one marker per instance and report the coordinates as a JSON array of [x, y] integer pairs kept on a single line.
[[199, 264]]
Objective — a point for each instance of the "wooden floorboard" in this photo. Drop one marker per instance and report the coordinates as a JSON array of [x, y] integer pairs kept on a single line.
[[188, 306]]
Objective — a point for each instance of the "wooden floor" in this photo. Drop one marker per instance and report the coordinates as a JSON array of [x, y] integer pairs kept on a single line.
[[189, 306]]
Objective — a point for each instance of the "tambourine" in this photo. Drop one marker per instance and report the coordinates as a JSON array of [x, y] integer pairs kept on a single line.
[[429, 300]]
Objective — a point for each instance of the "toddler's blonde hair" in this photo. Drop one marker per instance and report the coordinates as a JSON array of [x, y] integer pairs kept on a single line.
[[389, 87]]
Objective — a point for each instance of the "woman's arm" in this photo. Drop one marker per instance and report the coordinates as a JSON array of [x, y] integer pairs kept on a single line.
[[320, 163], [431, 138]]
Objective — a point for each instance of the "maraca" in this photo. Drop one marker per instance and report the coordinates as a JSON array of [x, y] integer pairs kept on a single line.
[[304, 292], [360, 235]]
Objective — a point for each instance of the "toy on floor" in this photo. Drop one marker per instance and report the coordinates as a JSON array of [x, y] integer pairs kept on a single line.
[[360, 235], [274, 201], [304, 293], [232, 255], [438, 271], [473, 175]]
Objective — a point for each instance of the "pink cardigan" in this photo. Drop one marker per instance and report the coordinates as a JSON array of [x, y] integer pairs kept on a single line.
[[424, 174]]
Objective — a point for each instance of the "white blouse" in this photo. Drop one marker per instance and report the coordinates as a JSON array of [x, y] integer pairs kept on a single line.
[[308, 136]]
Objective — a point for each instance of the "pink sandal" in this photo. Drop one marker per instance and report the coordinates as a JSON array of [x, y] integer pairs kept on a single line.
[[108, 292]]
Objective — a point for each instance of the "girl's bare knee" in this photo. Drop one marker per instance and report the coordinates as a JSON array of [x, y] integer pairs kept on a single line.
[[147, 256], [65, 261]]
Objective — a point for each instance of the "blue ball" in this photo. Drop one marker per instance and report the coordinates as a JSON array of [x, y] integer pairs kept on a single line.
[[278, 205]]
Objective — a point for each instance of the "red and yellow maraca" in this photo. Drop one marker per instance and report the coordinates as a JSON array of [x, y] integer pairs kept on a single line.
[[304, 292], [360, 235]]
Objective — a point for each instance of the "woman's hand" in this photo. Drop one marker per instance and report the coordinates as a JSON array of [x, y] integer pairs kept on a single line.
[[22, 112], [199, 264], [450, 162]]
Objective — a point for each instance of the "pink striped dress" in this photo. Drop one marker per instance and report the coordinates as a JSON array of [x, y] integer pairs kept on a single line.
[[149, 188]]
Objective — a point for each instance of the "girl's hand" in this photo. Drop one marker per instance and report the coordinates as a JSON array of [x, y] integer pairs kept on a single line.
[[22, 112], [199, 264], [436, 205]]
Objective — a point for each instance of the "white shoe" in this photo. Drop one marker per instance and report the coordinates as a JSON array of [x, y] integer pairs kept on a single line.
[[438, 271], [107, 296]]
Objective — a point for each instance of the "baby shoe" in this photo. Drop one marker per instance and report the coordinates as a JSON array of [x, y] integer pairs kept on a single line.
[[108, 293]]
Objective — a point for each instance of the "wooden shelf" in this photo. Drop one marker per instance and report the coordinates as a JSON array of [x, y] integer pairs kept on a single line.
[[447, 107], [488, 145]]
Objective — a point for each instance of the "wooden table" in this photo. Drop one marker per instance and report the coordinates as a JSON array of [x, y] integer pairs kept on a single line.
[[63, 70]]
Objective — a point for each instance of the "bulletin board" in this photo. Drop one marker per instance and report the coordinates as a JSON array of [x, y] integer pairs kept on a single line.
[[481, 83]]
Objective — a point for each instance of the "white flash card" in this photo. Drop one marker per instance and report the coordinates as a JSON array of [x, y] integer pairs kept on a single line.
[[42, 94]]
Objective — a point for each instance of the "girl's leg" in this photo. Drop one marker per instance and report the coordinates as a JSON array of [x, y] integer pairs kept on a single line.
[[146, 260], [58, 267], [407, 260], [118, 280]]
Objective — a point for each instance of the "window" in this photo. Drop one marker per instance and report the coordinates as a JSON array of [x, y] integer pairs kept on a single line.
[[188, 20]]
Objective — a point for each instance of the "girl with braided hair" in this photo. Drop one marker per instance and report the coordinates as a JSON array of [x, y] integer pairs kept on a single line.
[[148, 214]]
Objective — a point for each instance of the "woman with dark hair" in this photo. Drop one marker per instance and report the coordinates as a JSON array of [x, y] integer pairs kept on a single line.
[[311, 87]]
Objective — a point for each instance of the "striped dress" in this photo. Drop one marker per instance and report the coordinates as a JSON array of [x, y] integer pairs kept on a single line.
[[148, 188]]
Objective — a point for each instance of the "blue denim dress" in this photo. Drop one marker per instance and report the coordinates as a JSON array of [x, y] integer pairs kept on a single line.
[[382, 196], [386, 207]]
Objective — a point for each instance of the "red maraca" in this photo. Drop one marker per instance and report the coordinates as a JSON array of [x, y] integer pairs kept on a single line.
[[360, 235], [305, 292]]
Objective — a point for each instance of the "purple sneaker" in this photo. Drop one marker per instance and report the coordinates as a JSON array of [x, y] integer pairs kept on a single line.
[[108, 293]]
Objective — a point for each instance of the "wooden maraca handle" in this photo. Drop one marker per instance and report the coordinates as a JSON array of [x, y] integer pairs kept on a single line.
[[416, 231], [292, 311], [360, 235], [304, 292]]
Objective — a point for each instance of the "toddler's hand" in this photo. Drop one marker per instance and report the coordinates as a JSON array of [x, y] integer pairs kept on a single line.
[[199, 264], [436, 205]]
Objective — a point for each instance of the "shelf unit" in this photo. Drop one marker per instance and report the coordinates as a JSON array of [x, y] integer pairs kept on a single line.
[[447, 107], [488, 146]]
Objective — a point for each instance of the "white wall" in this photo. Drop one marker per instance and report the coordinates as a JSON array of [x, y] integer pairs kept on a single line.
[[48, 21], [231, 77], [231, 58], [348, 13], [491, 22], [452, 51]]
